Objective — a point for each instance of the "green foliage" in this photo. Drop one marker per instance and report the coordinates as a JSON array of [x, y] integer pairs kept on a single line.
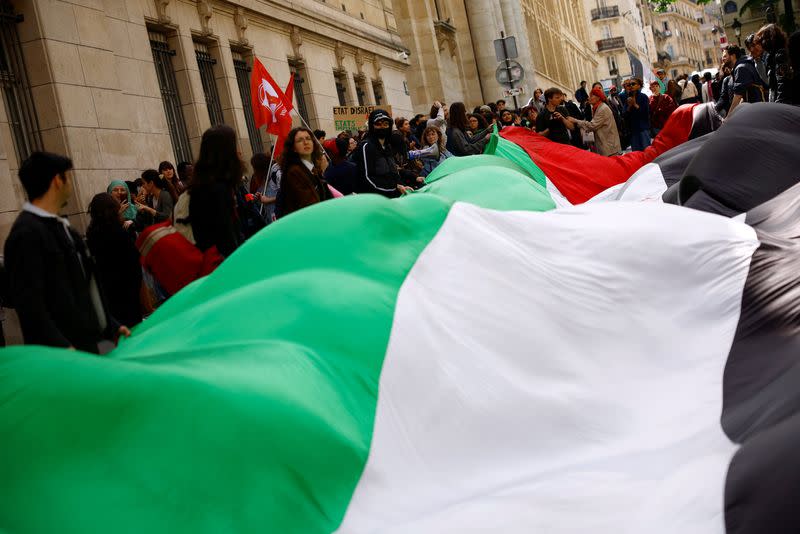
[[661, 5]]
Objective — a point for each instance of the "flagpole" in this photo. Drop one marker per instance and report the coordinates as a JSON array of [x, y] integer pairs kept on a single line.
[[269, 171]]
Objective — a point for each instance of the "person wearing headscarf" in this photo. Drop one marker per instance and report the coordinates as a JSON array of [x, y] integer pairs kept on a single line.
[[606, 136], [120, 191]]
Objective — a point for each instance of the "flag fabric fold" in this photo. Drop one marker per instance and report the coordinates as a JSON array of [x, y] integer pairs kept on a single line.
[[453, 360], [579, 174]]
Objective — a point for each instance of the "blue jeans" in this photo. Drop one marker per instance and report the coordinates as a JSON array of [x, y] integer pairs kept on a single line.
[[640, 140]]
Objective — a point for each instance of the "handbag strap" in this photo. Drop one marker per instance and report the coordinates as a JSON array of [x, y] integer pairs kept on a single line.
[[154, 237]]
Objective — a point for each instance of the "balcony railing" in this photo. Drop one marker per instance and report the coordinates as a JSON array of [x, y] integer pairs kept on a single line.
[[607, 12], [614, 43]]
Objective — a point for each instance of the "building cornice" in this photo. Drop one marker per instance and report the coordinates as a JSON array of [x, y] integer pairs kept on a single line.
[[321, 23]]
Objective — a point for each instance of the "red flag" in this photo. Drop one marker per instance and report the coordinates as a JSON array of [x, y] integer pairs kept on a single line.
[[286, 123], [270, 105], [580, 174]]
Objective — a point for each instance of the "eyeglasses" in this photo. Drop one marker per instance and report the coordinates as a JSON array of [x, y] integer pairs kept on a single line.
[[302, 139]]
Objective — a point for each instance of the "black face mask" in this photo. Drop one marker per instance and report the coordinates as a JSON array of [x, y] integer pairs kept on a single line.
[[382, 133]]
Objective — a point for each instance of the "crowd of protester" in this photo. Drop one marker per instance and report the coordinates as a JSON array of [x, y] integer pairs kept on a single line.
[[71, 291]]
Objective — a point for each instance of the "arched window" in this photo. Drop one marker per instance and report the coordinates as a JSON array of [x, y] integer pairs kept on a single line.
[[730, 7]]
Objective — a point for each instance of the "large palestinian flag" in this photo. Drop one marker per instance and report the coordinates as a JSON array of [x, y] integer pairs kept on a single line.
[[438, 363]]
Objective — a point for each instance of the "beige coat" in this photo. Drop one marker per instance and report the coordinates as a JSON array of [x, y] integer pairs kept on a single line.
[[606, 136]]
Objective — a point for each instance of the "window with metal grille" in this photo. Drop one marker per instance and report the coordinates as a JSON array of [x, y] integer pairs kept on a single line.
[[242, 70], [377, 90], [360, 91], [299, 90], [162, 58], [22, 119], [341, 87], [206, 65]]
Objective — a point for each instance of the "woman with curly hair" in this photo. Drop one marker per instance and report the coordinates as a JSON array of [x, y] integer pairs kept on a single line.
[[302, 166], [776, 57]]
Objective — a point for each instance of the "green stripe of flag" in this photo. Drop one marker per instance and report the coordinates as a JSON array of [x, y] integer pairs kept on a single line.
[[245, 404]]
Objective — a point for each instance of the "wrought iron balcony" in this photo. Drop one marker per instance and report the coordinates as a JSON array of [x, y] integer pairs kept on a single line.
[[662, 34], [614, 43], [607, 12]]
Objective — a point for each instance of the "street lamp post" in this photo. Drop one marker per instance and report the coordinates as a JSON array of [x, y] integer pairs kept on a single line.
[[737, 29]]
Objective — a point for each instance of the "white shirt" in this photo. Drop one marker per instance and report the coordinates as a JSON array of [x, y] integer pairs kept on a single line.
[[36, 210]]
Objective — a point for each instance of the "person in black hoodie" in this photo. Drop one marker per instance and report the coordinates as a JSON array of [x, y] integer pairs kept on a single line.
[[377, 170], [51, 277], [117, 259]]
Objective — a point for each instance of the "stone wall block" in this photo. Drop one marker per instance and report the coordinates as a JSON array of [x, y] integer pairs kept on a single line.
[[121, 149], [92, 27], [149, 79], [120, 40], [112, 108], [57, 20], [140, 43], [139, 9], [117, 9], [66, 63], [154, 119], [129, 76], [83, 148], [35, 55], [44, 100], [92, 4], [76, 106], [89, 182], [99, 67], [54, 140]]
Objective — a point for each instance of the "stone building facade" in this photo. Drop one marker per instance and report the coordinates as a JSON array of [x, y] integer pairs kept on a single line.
[[120, 85], [617, 30], [755, 16], [451, 46], [562, 50], [678, 38]]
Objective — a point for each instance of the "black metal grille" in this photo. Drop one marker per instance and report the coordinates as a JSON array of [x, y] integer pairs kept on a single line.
[[606, 12], [299, 94], [377, 90], [612, 43], [360, 93], [162, 58], [243, 80], [341, 90], [22, 119], [206, 65]]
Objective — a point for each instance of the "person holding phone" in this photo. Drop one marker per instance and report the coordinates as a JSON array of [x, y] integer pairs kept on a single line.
[[553, 121], [127, 207]]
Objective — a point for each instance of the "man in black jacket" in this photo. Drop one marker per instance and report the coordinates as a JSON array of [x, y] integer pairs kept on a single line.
[[377, 169], [51, 276]]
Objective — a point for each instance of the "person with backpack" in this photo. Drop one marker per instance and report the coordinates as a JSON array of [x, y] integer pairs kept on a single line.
[[302, 166], [748, 85]]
